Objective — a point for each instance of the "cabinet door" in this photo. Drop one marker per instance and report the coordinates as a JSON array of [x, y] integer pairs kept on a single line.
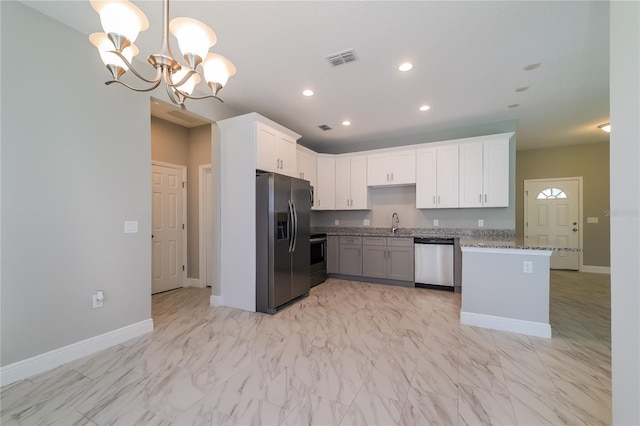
[[266, 143], [374, 261], [471, 193], [496, 173], [426, 178], [400, 261], [286, 155], [333, 254], [351, 259], [402, 167], [343, 183], [378, 169], [447, 172], [359, 190], [325, 189], [306, 164]]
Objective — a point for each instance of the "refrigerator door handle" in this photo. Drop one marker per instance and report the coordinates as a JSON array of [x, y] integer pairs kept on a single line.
[[290, 225], [295, 226]]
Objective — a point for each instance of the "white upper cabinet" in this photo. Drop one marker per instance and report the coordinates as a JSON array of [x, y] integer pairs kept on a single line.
[[437, 177], [351, 183], [324, 190], [391, 168], [276, 151], [484, 172], [306, 162]]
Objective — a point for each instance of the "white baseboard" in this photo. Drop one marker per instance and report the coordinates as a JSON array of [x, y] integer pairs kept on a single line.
[[596, 269], [193, 282], [215, 300], [40, 363], [529, 328]]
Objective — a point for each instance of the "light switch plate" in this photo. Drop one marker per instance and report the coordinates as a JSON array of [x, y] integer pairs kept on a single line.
[[130, 226], [480, 223], [336, 222], [592, 219], [435, 222], [366, 222]]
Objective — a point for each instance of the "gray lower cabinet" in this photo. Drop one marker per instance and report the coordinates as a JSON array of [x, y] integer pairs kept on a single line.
[[390, 258], [350, 255], [333, 254]]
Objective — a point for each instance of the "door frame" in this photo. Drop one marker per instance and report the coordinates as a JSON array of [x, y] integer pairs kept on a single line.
[[202, 231], [185, 261], [580, 209]]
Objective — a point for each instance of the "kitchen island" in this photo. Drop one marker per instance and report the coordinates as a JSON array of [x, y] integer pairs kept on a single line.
[[506, 284]]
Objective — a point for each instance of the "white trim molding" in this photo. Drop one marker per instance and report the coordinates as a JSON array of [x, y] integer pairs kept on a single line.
[[596, 269], [40, 363], [194, 282], [203, 170], [216, 300], [529, 328]]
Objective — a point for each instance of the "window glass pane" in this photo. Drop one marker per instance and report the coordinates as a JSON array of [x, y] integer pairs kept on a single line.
[[551, 193]]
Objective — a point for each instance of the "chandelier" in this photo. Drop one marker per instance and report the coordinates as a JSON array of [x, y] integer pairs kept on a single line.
[[122, 21]]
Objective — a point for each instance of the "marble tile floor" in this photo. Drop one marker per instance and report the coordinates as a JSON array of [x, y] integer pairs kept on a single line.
[[349, 354]]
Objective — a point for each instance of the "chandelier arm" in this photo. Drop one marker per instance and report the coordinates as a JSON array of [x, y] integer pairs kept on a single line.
[[155, 84], [184, 79], [156, 79]]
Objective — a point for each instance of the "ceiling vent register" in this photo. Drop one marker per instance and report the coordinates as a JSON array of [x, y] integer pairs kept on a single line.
[[343, 57]]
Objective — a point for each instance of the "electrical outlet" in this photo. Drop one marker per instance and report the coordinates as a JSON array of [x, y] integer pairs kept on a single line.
[[527, 267], [336, 222], [366, 222], [480, 223], [98, 299], [435, 222]]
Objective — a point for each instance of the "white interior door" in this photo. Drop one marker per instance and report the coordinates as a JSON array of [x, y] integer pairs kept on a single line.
[[552, 218], [167, 227]]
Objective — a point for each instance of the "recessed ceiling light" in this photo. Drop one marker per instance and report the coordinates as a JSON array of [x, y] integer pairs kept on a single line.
[[405, 67], [531, 67], [425, 108], [308, 92], [605, 127], [522, 89], [346, 123], [513, 105]]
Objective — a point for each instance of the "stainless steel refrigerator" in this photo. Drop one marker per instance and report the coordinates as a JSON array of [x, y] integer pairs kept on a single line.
[[283, 206]]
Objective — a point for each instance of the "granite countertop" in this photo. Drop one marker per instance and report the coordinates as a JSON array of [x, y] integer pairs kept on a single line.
[[467, 237]]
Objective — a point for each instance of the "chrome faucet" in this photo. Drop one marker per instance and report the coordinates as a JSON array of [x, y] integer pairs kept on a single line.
[[394, 223]]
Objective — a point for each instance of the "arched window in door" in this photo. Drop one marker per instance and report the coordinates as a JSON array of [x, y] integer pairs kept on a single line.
[[551, 193]]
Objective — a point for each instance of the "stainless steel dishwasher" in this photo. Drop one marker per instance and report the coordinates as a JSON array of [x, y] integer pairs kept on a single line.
[[434, 262]]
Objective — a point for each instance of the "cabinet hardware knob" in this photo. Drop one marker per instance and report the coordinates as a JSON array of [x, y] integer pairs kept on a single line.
[[575, 229]]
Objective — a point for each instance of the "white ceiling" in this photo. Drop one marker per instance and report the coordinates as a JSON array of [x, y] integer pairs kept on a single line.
[[468, 60]]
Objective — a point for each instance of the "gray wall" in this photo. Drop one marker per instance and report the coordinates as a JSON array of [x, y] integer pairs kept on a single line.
[[75, 165], [590, 161], [625, 203], [172, 143], [402, 200]]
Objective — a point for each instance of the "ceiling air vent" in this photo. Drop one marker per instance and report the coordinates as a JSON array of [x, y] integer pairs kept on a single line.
[[324, 127], [340, 58]]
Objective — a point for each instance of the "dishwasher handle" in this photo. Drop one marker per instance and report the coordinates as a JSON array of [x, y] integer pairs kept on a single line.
[[440, 241]]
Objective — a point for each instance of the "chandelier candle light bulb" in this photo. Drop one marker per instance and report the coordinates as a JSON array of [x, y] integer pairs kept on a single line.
[[122, 21]]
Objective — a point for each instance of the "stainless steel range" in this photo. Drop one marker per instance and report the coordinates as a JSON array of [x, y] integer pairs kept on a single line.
[[318, 258]]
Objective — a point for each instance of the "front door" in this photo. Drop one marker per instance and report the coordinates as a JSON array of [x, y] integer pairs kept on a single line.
[[167, 231], [552, 218]]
